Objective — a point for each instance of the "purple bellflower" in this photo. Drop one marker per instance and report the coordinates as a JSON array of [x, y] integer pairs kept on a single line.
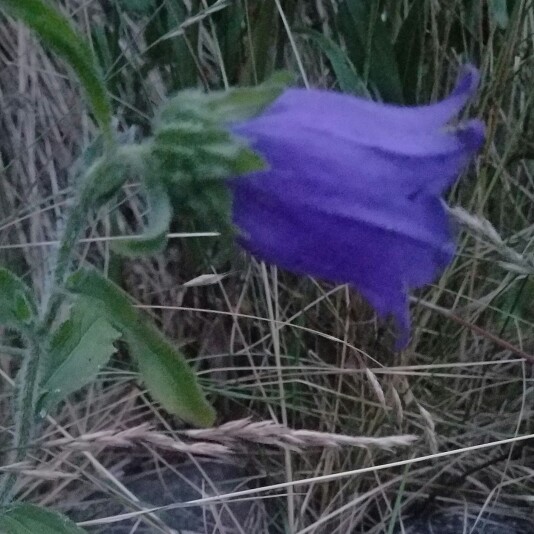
[[353, 190]]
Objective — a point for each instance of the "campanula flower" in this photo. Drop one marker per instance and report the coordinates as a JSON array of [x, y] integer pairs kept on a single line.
[[353, 190]]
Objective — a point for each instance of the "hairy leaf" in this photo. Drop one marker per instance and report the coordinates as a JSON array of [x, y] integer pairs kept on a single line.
[[107, 174], [197, 151], [57, 33], [78, 349], [18, 308], [225, 107], [159, 217], [166, 372], [30, 519]]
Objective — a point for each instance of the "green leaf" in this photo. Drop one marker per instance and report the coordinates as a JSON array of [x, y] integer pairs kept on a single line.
[[108, 173], [196, 150], [262, 42], [192, 148], [18, 308], [346, 75], [78, 349], [102, 181], [369, 46], [223, 107], [246, 161], [230, 27], [409, 49], [167, 374], [56, 32], [154, 236], [31, 519], [194, 157], [211, 205]]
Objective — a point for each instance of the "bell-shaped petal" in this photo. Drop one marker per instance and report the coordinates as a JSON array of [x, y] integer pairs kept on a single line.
[[353, 190]]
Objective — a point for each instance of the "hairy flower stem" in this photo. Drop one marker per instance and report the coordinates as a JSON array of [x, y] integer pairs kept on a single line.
[[28, 379], [30, 373], [25, 402], [73, 229]]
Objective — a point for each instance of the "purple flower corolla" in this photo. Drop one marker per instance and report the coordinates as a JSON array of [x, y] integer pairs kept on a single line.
[[353, 190]]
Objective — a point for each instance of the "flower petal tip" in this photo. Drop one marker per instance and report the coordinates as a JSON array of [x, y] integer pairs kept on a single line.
[[472, 135], [468, 80], [402, 327]]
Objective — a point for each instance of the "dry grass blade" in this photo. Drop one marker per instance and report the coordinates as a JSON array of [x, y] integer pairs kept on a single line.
[[482, 229], [29, 470], [279, 435], [226, 439], [140, 435]]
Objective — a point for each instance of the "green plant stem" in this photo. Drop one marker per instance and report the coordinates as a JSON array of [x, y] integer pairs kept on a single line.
[[102, 180], [29, 377], [71, 233], [26, 400]]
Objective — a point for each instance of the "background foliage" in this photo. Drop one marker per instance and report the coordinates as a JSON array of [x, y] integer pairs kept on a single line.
[[266, 344]]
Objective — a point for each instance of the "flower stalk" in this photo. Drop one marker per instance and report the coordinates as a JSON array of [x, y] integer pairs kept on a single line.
[[34, 360]]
